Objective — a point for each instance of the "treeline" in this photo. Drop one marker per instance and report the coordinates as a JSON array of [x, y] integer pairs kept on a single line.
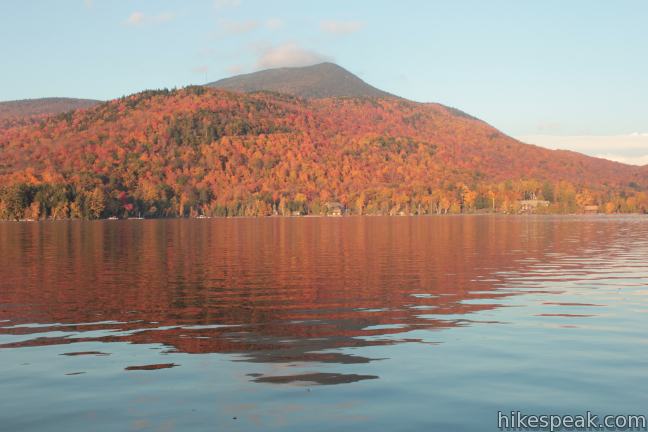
[[61, 201]]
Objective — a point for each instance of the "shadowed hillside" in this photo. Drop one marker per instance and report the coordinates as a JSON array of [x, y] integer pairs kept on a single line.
[[12, 112], [318, 81]]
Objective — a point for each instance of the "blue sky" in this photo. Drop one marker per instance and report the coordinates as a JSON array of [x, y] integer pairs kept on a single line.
[[531, 68]]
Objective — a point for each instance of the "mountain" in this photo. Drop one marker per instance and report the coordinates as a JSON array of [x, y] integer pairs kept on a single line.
[[27, 109], [322, 80], [202, 150]]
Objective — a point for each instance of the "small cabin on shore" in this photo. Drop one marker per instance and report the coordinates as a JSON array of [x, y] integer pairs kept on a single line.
[[591, 209], [334, 208], [531, 205]]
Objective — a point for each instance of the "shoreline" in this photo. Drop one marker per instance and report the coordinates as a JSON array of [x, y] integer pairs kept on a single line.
[[517, 215]]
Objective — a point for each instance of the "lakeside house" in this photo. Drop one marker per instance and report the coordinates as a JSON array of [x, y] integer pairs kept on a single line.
[[531, 205], [334, 208], [591, 209]]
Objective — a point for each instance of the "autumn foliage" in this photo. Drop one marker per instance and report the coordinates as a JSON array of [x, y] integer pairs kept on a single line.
[[205, 151]]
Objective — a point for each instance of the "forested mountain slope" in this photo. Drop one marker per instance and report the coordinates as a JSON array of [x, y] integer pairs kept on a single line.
[[207, 151]]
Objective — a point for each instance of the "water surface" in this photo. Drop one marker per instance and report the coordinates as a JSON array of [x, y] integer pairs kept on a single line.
[[309, 324]]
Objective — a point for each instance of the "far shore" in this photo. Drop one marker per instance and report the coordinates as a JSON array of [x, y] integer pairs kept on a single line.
[[483, 214]]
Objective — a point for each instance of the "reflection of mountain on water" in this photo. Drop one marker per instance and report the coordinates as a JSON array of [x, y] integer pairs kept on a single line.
[[271, 290]]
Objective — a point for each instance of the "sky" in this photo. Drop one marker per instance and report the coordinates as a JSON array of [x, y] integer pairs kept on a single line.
[[561, 74]]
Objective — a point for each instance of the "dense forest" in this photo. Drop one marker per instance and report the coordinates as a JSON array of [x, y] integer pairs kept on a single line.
[[202, 151]]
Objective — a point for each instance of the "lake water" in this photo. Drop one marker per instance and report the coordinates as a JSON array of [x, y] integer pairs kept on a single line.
[[320, 324]]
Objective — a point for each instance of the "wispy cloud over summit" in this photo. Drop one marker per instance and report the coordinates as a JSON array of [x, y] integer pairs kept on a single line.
[[288, 55]]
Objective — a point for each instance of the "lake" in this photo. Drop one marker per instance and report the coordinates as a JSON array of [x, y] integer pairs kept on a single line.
[[320, 324]]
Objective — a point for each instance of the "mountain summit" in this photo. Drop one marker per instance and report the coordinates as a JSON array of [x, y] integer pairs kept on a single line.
[[311, 82]]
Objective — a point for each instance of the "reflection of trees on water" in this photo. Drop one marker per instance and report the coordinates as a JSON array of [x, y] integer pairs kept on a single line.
[[272, 290]]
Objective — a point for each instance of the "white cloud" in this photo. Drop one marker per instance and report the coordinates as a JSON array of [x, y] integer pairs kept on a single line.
[[341, 27], [288, 55], [629, 148], [138, 18], [630, 160]]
